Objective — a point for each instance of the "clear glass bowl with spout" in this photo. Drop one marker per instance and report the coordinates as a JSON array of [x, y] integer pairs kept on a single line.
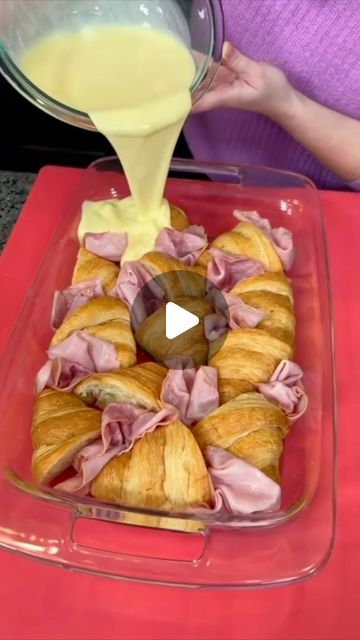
[[197, 23]]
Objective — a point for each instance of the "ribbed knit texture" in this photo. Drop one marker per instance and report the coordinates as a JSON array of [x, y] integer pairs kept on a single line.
[[317, 44]]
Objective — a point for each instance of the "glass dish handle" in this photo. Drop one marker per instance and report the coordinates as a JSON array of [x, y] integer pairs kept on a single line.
[[56, 529]]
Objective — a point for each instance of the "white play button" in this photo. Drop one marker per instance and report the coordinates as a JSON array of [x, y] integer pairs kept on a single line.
[[178, 320]]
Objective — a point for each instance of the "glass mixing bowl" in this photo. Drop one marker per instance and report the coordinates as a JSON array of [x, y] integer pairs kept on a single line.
[[197, 23]]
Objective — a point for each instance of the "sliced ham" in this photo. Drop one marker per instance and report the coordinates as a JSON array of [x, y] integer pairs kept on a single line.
[[107, 245], [132, 279], [226, 270], [185, 245], [59, 374], [242, 314], [285, 388], [193, 393], [215, 325], [284, 246], [231, 313], [77, 356], [280, 237], [239, 487], [72, 298], [121, 426]]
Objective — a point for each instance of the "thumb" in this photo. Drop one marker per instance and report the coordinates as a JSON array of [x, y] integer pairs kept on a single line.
[[218, 98], [236, 62]]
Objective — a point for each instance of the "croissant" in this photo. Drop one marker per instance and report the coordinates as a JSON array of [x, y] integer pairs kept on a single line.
[[164, 470], [248, 426], [272, 294], [178, 218], [246, 240], [247, 357], [139, 385], [62, 425], [151, 335], [106, 318], [274, 282], [89, 266], [181, 280]]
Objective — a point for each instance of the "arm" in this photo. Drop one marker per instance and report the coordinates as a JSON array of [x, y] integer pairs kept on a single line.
[[242, 83]]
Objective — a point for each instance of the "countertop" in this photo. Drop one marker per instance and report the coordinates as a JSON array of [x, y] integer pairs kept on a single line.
[[14, 189]]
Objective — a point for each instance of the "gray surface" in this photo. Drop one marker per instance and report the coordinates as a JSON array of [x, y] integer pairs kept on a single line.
[[14, 189]]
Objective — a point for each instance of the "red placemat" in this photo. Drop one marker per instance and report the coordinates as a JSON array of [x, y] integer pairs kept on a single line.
[[40, 602]]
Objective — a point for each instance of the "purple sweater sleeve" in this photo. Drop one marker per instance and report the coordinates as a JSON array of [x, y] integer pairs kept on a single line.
[[316, 43]]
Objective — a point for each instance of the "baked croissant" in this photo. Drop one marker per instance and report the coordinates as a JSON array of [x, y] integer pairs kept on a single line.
[[246, 240], [247, 357], [178, 218], [62, 425], [89, 266], [274, 282], [106, 318], [272, 294], [181, 280], [151, 334], [139, 385], [164, 470], [250, 427]]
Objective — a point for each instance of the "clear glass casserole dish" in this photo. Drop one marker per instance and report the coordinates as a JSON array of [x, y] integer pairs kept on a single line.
[[82, 533]]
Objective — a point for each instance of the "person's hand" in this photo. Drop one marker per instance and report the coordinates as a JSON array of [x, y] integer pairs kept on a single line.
[[242, 83]]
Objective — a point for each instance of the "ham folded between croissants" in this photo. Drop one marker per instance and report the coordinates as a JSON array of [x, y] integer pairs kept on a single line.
[[95, 336], [245, 240], [249, 427], [144, 457], [208, 437], [164, 470], [270, 293], [105, 318], [247, 357]]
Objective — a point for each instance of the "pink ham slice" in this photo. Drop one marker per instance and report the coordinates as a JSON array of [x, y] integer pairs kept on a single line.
[[59, 374], [231, 313], [215, 325], [132, 279], [280, 237], [186, 245], [107, 245], [239, 487], [121, 426], [285, 388], [193, 393], [226, 270], [77, 356], [72, 298]]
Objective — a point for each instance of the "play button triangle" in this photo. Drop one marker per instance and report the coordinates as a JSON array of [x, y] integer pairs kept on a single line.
[[178, 320]]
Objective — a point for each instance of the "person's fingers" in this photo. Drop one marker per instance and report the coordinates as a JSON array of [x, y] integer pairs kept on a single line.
[[236, 62], [218, 98], [223, 76]]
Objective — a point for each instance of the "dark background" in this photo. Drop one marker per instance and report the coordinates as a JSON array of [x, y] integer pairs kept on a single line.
[[31, 139]]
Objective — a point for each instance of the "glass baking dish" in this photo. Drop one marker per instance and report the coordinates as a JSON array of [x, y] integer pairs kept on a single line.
[[82, 533]]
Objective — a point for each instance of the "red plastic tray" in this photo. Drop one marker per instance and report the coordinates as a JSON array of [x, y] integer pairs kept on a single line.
[[57, 604]]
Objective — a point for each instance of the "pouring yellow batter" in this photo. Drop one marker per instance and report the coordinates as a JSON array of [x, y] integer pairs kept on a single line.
[[134, 83]]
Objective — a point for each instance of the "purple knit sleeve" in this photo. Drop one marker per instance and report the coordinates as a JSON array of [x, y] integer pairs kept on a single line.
[[354, 184]]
